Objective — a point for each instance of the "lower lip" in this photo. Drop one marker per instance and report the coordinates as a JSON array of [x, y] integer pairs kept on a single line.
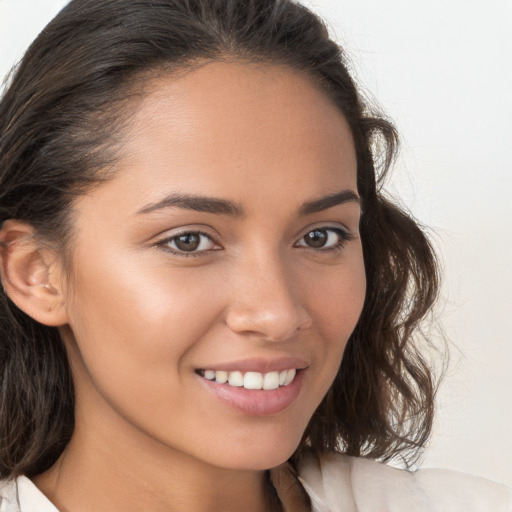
[[257, 402]]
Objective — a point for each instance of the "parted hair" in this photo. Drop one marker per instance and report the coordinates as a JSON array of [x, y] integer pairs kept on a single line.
[[61, 121]]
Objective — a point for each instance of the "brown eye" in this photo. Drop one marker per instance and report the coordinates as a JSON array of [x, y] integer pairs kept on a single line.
[[316, 238], [190, 242], [324, 238]]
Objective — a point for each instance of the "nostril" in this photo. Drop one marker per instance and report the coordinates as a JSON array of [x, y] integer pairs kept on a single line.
[[271, 324], [266, 303], [305, 321]]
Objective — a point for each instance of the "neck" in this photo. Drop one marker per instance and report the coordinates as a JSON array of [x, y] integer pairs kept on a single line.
[[119, 469]]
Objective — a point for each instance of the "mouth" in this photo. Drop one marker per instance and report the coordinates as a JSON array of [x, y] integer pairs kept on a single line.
[[256, 386], [250, 380], [256, 393]]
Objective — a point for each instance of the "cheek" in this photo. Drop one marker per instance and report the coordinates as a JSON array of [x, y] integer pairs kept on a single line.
[[337, 300], [136, 335], [129, 295], [135, 330]]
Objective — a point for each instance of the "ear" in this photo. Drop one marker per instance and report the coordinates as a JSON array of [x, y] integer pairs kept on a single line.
[[30, 275]]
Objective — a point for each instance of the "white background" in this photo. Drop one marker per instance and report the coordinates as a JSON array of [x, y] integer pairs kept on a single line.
[[442, 70]]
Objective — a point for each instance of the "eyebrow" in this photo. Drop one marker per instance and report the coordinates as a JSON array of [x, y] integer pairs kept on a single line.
[[197, 203], [324, 203], [225, 207]]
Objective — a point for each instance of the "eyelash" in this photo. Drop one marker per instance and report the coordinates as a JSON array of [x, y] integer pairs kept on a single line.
[[164, 244], [343, 237]]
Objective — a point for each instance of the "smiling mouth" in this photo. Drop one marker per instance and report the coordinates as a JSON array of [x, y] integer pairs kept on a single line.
[[250, 380]]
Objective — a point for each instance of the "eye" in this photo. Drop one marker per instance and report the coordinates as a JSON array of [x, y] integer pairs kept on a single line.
[[189, 242], [324, 238]]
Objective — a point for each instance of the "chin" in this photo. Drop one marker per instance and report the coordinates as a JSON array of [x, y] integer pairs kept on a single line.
[[260, 454]]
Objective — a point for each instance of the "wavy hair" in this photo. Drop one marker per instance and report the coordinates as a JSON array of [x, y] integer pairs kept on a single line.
[[61, 118]]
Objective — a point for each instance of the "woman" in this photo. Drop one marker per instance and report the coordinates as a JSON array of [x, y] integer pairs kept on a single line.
[[201, 278]]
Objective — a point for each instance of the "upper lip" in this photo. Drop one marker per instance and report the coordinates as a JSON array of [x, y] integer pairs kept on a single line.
[[261, 365]]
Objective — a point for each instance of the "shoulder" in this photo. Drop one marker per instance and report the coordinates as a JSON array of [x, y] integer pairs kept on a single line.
[[338, 482]]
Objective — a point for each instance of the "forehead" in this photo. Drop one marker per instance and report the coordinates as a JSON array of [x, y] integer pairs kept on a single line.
[[225, 129]]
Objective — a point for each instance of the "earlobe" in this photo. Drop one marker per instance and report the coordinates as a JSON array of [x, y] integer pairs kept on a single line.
[[29, 274]]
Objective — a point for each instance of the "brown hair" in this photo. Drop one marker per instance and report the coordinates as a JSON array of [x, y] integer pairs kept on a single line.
[[60, 118]]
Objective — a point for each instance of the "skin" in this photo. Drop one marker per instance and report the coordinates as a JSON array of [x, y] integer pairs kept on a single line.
[[140, 319]]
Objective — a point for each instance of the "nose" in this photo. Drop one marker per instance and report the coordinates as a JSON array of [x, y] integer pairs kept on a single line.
[[265, 301]]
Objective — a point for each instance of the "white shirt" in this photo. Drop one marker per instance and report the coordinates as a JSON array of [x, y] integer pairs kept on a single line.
[[338, 483]]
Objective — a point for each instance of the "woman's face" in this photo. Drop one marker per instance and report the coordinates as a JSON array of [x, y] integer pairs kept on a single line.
[[226, 246]]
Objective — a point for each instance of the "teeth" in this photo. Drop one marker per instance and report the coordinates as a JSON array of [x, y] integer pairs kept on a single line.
[[271, 380], [236, 379], [290, 375], [221, 377], [252, 380]]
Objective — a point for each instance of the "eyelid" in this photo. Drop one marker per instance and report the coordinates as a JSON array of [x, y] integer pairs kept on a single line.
[[163, 243], [345, 234], [334, 226]]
